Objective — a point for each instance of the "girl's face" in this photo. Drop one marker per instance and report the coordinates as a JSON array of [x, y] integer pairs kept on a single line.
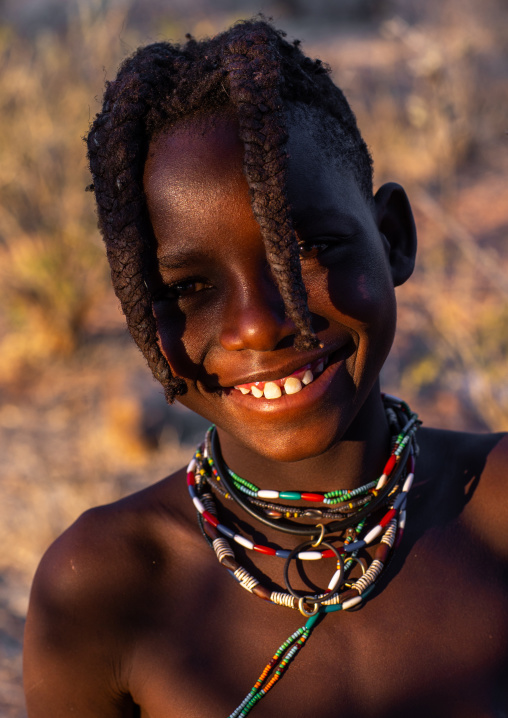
[[220, 317]]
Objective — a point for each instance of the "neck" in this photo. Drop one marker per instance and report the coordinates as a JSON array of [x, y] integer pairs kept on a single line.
[[352, 460]]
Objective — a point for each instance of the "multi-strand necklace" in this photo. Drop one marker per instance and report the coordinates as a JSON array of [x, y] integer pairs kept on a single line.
[[349, 515]]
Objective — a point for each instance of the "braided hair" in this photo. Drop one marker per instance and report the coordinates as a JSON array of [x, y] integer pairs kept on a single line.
[[254, 71]]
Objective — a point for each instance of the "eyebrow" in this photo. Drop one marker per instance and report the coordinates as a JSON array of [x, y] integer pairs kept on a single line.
[[178, 259], [310, 215]]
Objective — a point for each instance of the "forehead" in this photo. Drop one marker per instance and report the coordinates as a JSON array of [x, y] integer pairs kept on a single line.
[[194, 178], [194, 169]]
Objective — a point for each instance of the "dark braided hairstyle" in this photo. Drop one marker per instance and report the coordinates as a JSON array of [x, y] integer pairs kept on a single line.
[[254, 71]]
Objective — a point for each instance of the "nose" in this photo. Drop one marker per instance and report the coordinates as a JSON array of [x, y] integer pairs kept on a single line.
[[255, 317]]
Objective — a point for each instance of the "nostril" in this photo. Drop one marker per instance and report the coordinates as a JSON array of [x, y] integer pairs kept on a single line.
[[257, 326]]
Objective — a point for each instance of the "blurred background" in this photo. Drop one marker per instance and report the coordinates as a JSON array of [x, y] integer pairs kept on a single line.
[[81, 420]]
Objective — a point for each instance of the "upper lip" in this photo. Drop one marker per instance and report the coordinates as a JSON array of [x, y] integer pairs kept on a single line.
[[281, 372]]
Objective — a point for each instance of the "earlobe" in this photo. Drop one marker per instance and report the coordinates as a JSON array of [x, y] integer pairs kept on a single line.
[[395, 221]]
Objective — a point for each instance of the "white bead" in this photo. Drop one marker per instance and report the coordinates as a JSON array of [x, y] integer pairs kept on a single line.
[[244, 542], [351, 602], [272, 390], [408, 483], [191, 466], [266, 494], [335, 580], [197, 503], [373, 533], [381, 482], [309, 555]]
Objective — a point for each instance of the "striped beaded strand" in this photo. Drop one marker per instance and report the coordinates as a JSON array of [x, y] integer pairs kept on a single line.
[[275, 668]]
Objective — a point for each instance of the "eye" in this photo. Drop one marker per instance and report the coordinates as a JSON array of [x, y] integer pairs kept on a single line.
[[311, 248], [184, 288]]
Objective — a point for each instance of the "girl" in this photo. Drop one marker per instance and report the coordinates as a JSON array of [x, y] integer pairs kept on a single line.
[[256, 271]]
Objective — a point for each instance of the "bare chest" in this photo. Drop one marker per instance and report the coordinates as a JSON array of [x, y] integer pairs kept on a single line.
[[433, 641]]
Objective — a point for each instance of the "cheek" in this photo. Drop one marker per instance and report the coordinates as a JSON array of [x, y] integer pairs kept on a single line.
[[187, 335], [174, 336], [364, 294]]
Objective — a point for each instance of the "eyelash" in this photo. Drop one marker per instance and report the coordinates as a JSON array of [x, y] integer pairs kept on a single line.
[[177, 290], [310, 249]]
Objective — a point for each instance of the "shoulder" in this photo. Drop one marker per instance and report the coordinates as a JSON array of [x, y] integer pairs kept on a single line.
[[112, 549], [88, 599], [471, 455], [469, 472]]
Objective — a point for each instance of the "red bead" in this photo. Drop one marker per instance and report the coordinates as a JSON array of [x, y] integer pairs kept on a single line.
[[390, 464], [312, 497], [265, 549], [388, 517], [328, 553], [190, 478], [211, 519]]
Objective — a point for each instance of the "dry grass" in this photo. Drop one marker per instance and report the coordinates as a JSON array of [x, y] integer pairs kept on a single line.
[[52, 272]]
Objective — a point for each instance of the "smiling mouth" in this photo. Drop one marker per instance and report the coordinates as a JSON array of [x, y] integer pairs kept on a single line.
[[292, 384]]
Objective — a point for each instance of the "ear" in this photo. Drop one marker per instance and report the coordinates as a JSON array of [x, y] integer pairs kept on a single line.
[[395, 222]]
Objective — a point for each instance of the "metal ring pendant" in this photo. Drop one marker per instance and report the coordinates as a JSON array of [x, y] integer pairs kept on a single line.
[[316, 600]]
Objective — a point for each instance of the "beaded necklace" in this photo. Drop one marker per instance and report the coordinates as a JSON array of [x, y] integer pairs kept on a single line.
[[350, 512]]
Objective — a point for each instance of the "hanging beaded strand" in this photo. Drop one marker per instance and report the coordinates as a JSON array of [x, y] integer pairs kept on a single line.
[[391, 489]]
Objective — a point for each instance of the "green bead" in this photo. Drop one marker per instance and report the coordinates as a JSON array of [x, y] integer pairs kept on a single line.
[[291, 495]]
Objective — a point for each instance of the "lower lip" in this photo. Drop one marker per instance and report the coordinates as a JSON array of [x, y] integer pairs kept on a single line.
[[307, 396]]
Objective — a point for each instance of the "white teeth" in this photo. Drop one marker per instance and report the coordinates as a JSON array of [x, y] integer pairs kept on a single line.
[[272, 390], [307, 377], [292, 385]]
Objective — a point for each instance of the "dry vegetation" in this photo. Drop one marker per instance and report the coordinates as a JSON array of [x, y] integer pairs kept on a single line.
[[80, 421]]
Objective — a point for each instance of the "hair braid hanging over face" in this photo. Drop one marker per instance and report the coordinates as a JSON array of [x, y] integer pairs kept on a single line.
[[253, 66], [117, 151], [254, 71]]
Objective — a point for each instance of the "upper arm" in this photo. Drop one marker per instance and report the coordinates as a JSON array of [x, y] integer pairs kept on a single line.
[[489, 505], [72, 652]]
